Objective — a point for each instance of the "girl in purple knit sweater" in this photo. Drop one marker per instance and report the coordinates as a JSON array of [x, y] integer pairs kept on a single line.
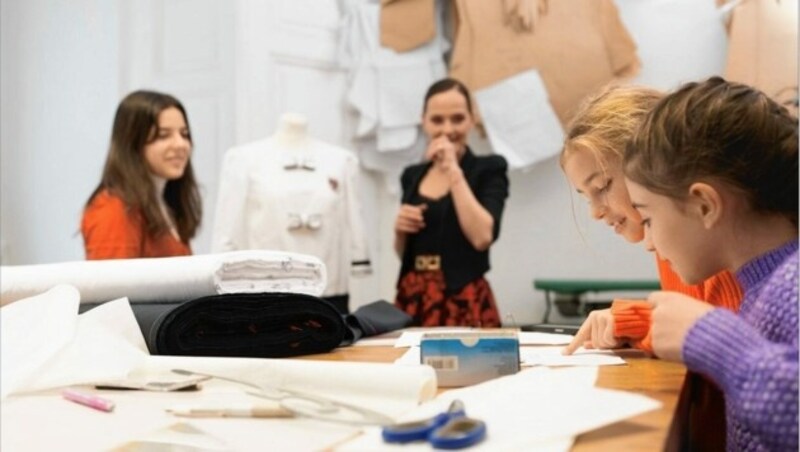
[[713, 172]]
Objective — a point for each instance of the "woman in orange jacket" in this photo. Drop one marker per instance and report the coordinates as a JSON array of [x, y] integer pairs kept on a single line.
[[147, 203]]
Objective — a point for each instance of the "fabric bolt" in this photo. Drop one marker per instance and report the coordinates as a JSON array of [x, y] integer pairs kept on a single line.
[[113, 230], [168, 279], [369, 320], [263, 325], [753, 356], [573, 35], [423, 296], [259, 203]]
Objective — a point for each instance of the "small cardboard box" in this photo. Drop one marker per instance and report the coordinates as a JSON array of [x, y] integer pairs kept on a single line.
[[467, 358]]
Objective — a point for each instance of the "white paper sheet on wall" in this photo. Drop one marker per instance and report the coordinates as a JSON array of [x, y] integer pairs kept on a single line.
[[677, 41], [519, 120]]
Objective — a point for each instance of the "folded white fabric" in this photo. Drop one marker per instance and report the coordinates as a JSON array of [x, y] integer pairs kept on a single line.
[[170, 278]]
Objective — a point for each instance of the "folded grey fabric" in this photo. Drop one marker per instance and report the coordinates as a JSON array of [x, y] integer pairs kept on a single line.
[[373, 319], [170, 278], [261, 325]]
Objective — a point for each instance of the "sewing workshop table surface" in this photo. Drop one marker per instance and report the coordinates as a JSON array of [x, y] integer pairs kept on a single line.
[[653, 378]]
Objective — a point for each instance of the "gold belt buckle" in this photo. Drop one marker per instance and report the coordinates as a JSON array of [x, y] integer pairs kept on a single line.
[[428, 262]]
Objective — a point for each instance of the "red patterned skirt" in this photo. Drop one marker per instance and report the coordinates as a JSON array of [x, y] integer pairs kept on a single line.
[[422, 296]]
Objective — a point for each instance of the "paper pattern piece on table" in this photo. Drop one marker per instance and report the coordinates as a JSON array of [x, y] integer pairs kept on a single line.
[[166, 279], [375, 342], [538, 338], [46, 344], [551, 356], [180, 436], [389, 389], [539, 356], [534, 407]]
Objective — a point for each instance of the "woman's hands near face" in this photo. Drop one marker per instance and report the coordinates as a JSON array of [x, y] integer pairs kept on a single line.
[[410, 219], [442, 152], [445, 156]]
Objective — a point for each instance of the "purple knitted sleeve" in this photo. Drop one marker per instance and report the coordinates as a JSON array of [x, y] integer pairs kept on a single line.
[[753, 357]]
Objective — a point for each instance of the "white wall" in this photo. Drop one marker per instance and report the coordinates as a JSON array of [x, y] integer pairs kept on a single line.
[[61, 72], [58, 88]]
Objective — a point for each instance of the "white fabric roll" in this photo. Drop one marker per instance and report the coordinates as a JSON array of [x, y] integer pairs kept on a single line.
[[170, 278]]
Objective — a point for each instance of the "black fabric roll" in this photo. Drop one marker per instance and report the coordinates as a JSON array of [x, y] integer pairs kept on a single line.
[[260, 325]]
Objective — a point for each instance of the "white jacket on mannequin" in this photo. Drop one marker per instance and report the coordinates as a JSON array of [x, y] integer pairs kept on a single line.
[[290, 192]]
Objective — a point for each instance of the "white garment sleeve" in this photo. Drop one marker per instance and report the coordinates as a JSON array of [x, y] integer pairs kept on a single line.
[[229, 233], [360, 264]]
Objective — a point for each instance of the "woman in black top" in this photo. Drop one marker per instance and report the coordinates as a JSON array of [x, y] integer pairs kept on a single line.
[[450, 215]]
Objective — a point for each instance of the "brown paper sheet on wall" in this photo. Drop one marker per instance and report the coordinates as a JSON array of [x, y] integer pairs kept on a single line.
[[577, 46], [407, 24], [762, 50]]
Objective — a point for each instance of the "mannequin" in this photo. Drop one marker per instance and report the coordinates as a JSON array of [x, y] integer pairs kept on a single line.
[[290, 192], [292, 132], [292, 138]]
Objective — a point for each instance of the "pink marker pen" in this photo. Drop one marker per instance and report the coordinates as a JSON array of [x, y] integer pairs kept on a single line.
[[92, 401]]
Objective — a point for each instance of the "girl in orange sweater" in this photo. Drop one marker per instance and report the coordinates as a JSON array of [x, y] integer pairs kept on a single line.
[[147, 203]]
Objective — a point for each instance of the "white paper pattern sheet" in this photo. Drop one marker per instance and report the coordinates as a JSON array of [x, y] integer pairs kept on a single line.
[[266, 202], [46, 344], [535, 409], [521, 124]]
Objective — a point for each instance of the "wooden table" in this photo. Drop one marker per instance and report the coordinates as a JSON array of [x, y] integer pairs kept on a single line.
[[654, 378]]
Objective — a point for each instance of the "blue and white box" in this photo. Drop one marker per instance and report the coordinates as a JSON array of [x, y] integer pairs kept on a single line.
[[470, 357]]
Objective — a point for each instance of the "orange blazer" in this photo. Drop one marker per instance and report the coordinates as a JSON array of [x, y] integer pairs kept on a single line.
[[113, 231]]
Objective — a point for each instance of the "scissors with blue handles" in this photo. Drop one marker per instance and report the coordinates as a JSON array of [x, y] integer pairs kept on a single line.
[[449, 430]]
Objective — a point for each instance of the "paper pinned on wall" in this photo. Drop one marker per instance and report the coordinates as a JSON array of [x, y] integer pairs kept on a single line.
[[521, 124]]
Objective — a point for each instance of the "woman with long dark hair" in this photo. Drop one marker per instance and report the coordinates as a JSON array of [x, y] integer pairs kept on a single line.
[[147, 203]]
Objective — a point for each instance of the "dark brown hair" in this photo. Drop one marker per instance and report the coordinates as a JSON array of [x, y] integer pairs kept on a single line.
[[722, 131], [444, 85], [126, 175]]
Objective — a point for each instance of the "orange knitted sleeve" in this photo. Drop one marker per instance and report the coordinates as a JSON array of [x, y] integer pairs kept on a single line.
[[632, 318]]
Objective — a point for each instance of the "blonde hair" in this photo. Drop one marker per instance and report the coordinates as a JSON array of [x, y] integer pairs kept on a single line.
[[606, 121]]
